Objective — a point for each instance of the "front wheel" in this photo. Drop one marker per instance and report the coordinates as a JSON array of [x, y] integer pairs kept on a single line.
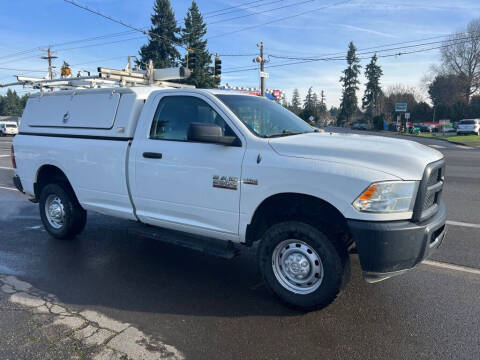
[[301, 266], [61, 214]]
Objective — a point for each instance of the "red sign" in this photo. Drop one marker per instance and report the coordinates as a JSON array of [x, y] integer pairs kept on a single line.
[[276, 93]]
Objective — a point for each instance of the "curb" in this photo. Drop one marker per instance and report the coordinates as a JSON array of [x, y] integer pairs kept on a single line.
[[435, 138]]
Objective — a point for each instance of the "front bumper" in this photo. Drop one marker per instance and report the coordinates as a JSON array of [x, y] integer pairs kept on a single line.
[[390, 248]]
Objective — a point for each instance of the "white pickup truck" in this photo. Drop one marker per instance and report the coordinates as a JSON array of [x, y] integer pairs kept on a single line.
[[227, 167]]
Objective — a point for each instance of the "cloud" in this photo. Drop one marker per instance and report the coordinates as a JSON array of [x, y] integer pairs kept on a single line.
[[370, 31]]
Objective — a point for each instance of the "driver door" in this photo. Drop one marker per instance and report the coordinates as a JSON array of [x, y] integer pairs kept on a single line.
[[176, 182]]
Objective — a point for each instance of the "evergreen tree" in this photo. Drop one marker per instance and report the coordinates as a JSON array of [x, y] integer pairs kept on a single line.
[[193, 37], [161, 47], [11, 104], [285, 102], [316, 107], [371, 98], [295, 104], [308, 105], [349, 102]]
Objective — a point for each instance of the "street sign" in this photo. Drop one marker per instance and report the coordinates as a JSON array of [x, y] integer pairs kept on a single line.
[[264, 74], [401, 107], [407, 116], [444, 122], [276, 93]]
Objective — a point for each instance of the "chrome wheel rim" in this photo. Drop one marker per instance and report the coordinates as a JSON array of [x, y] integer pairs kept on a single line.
[[297, 266], [54, 211]]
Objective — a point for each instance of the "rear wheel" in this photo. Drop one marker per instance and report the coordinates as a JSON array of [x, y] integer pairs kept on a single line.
[[301, 266], [61, 214]]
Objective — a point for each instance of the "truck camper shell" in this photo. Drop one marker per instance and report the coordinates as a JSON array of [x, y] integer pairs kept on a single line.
[[107, 112]]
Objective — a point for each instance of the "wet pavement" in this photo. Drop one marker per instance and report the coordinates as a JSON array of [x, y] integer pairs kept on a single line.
[[204, 307]]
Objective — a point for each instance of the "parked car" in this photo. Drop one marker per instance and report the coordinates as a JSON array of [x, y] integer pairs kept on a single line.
[[8, 128], [359, 126], [428, 128], [180, 158], [469, 126]]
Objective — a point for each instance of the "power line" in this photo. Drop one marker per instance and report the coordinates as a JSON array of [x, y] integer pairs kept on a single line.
[[237, 54], [100, 60], [280, 19], [362, 52], [233, 7], [108, 17], [262, 12], [243, 8], [100, 44], [19, 53], [29, 70], [374, 47], [364, 58]]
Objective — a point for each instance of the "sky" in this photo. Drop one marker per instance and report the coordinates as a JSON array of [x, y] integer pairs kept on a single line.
[[297, 28]]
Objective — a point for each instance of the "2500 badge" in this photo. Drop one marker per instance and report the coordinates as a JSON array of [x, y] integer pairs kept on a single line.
[[225, 182]]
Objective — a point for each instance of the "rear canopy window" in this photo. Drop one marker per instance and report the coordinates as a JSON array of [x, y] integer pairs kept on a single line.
[[467, 122], [11, 125]]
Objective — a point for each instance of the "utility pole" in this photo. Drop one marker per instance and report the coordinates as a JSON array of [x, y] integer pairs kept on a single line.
[[260, 59], [49, 57]]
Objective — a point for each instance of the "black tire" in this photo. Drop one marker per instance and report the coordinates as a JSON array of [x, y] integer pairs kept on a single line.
[[335, 263], [75, 217]]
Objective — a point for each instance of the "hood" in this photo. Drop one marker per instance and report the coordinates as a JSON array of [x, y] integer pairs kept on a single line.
[[402, 158]]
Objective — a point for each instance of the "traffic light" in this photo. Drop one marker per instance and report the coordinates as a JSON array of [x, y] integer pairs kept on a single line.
[[217, 69], [191, 59]]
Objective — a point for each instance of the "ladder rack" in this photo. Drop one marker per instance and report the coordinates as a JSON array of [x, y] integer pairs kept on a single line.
[[110, 78]]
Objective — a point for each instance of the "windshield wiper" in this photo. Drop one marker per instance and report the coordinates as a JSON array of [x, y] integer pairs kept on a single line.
[[285, 133]]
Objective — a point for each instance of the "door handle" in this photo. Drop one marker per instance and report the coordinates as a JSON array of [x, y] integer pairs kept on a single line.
[[152, 155]]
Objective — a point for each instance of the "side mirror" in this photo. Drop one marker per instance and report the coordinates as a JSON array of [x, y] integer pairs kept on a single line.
[[210, 133]]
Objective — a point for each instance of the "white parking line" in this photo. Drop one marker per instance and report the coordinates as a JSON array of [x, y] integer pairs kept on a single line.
[[8, 188], [438, 146], [452, 267], [464, 147], [459, 223], [6, 168], [4, 155]]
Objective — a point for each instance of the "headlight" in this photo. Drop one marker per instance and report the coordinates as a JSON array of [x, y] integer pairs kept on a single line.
[[385, 197]]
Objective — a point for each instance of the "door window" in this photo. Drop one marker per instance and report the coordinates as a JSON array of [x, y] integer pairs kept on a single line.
[[175, 113]]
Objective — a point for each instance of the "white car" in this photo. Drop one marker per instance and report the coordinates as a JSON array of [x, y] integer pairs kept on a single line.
[[228, 168], [8, 128], [469, 126]]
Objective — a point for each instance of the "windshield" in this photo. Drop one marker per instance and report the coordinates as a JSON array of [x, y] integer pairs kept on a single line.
[[263, 117], [11, 125], [467, 122]]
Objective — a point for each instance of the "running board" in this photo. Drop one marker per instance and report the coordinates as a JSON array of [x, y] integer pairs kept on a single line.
[[220, 248]]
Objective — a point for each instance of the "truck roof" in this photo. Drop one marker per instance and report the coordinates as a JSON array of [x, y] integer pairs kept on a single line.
[[142, 92]]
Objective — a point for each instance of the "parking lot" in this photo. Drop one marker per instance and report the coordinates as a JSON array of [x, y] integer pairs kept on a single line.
[[185, 304]]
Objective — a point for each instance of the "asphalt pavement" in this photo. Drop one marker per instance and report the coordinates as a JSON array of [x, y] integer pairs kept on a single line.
[[201, 307]]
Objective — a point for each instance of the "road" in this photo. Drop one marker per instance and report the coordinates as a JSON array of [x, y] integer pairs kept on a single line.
[[203, 307]]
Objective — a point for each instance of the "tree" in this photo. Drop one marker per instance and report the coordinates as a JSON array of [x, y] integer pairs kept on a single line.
[[371, 98], [308, 105], [447, 90], [285, 102], [349, 102], [421, 112], [193, 37], [461, 57], [11, 104], [295, 104], [163, 38]]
